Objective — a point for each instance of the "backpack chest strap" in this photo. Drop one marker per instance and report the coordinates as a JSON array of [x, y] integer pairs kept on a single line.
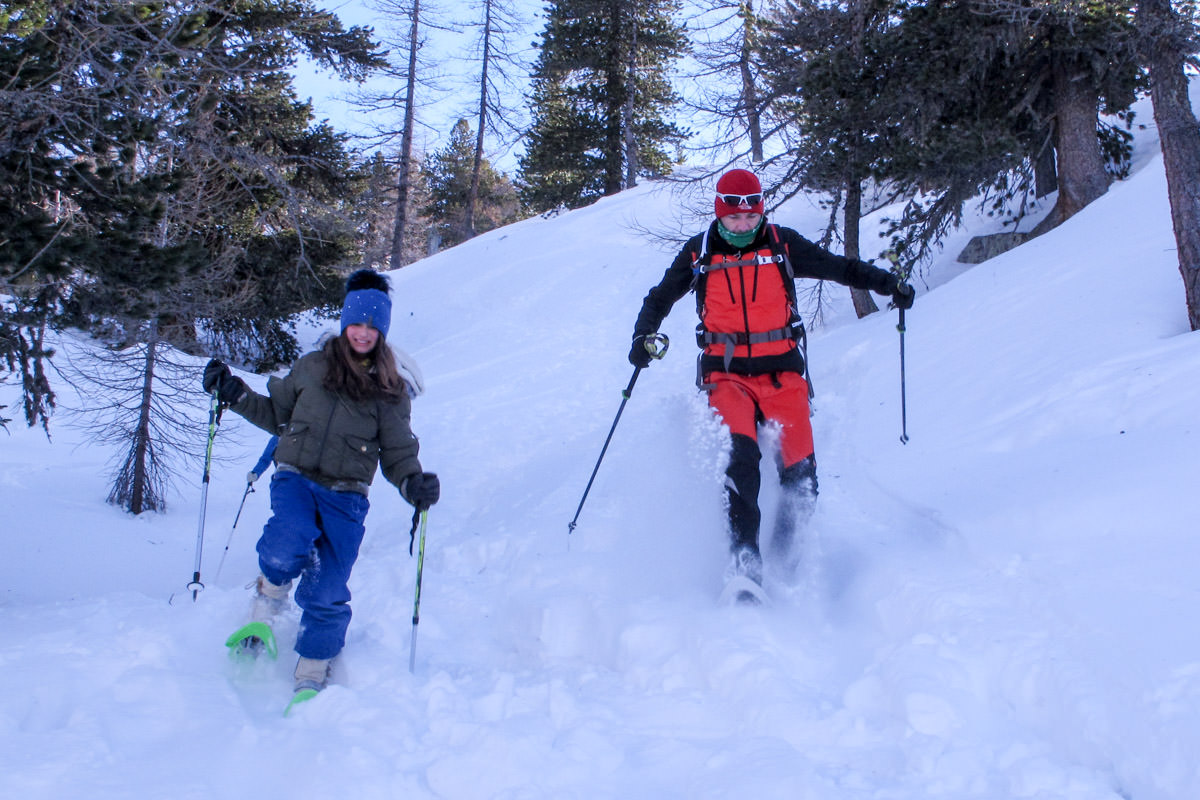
[[751, 260]]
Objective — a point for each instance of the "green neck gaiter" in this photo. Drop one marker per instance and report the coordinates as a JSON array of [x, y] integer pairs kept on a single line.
[[738, 240]]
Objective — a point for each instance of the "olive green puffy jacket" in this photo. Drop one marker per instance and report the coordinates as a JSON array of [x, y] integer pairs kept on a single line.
[[329, 438]]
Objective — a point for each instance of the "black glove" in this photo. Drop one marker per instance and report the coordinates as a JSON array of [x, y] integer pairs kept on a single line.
[[422, 490], [229, 388], [903, 295], [639, 356]]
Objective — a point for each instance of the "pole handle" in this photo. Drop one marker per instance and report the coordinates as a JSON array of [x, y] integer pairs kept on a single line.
[[656, 344]]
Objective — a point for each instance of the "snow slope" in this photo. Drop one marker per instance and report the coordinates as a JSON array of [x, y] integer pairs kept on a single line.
[[1001, 608]]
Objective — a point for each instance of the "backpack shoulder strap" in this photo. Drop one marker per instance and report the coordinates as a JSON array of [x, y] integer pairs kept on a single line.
[[701, 259], [699, 262], [780, 248]]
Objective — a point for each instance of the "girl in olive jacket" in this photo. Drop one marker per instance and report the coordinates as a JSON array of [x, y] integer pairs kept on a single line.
[[341, 412]]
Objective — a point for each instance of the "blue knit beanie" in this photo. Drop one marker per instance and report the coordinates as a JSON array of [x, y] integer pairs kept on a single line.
[[367, 301]]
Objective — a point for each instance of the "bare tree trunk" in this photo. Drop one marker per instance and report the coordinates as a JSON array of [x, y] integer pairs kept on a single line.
[[864, 304], [138, 500], [1180, 135], [477, 161], [406, 140], [136, 486], [1081, 174], [749, 94], [852, 218], [1045, 173]]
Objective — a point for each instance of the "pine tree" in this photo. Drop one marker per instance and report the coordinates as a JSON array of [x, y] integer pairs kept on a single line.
[[1008, 84], [81, 80], [152, 144], [823, 71], [601, 100], [449, 174], [167, 181], [961, 100]]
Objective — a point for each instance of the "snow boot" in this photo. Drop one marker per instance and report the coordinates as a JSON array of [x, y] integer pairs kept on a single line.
[[269, 599], [797, 502], [743, 577], [311, 674], [745, 562]]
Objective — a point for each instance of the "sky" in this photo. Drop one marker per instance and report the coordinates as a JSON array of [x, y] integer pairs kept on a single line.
[[1004, 607], [445, 54]]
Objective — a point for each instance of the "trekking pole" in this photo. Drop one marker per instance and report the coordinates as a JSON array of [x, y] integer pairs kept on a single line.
[[902, 274], [418, 516], [656, 345], [903, 392], [214, 421], [264, 461]]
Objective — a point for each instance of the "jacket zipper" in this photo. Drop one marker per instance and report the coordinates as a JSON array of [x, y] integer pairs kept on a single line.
[[745, 307], [328, 428]]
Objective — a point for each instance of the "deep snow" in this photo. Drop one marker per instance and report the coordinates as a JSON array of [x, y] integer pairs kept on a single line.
[[1001, 608]]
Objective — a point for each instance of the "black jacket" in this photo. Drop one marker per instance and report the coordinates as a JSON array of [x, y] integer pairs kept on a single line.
[[808, 261]]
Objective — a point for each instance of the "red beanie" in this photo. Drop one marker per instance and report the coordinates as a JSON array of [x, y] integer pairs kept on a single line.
[[734, 186]]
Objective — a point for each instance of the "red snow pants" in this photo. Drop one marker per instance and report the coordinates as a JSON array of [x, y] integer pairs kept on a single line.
[[743, 401]]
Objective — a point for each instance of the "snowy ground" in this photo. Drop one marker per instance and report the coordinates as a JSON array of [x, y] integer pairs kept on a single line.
[[1002, 608]]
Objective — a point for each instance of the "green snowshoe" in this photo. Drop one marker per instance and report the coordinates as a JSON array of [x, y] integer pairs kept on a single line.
[[252, 640]]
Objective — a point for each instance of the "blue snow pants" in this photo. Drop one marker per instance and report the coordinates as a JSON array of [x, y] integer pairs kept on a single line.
[[314, 533]]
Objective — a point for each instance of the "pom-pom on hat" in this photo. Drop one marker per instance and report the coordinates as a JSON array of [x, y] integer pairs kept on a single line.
[[367, 301], [738, 191]]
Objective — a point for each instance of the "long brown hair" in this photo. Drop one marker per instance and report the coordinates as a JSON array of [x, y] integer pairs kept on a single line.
[[373, 376]]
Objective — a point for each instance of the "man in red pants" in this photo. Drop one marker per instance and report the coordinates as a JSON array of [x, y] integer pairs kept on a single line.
[[743, 271]]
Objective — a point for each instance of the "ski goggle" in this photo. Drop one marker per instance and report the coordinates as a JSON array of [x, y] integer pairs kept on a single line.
[[737, 200]]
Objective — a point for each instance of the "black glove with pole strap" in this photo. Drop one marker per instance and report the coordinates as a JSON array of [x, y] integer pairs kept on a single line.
[[639, 356], [228, 387], [422, 490], [903, 295]]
